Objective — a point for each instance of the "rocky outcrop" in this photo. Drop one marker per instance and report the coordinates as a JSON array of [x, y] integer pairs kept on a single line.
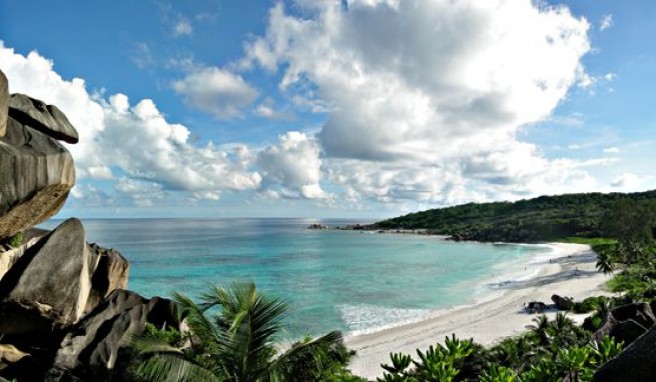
[[637, 363], [4, 95], [626, 323], [10, 257], [48, 287], [47, 119], [562, 303], [9, 355], [110, 272], [37, 173], [91, 349], [64, 315]]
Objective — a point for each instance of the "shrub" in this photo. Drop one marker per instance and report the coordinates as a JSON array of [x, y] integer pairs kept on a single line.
[[16, 240], [590, 304]]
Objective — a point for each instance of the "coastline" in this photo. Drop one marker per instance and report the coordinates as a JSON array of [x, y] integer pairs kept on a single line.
[[569, 270]]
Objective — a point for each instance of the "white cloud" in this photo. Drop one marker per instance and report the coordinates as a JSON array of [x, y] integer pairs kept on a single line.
[[267, 110], [295, 165], [606, 22], [135, 139], [182, 28], [216, 91], [611, 150], [432, 121]]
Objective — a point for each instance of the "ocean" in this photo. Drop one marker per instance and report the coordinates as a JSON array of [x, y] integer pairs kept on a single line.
[[352, 281]]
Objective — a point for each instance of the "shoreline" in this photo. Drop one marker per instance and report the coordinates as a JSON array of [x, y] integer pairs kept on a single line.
[[569, 272]]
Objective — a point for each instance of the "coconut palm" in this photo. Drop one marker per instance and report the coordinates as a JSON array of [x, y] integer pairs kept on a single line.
[[604, 262], [540, 329], [237, 344]]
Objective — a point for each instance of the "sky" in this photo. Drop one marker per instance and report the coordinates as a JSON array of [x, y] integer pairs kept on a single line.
[[352, 108]]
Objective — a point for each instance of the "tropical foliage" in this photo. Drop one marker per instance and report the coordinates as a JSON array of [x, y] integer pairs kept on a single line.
[[238, 343], [541, 219]]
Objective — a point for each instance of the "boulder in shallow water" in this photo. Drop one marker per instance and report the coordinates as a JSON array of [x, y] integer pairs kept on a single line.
[[47, 119], [37, 173]]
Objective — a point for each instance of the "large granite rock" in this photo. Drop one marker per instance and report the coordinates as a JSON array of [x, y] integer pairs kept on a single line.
[[110, 273], [37, 173], [48, 287], [94, 346], [48, 119], [637, 363], [626, 322], [10, 257], [639, 312], [4, 95], [9, 355], [562, 303]]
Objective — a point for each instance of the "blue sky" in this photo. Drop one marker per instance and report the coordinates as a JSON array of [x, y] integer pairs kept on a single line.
[[364, 108]]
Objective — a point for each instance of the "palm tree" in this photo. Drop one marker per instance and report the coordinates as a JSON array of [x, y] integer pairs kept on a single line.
[[604, 262], [541, 329], [237, 344]]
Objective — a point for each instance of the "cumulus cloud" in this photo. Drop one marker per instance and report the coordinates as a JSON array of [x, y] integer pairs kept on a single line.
[[425, 98], [216, 91], [267, 110], [294, 164], [424, 102], [151, 153]]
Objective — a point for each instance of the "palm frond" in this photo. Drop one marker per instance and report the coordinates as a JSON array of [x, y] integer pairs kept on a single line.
[[169, 367], [304, 356], [204, 333], [248, 326]]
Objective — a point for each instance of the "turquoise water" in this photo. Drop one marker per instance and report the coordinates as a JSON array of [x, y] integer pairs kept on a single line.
[[347, 280]]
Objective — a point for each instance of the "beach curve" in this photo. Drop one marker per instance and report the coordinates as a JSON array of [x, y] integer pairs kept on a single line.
[[569, 272]]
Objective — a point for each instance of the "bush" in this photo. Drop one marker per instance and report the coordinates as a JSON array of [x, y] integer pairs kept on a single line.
[[590, 304], [592, 323], [16, 240]]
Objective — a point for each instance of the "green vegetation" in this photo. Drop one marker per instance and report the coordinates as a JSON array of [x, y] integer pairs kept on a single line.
[[16, 240], [237, 344], [549, 351], [546, 218]]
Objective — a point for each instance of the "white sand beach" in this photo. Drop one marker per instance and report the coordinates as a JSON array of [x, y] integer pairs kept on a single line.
[[571, 272]]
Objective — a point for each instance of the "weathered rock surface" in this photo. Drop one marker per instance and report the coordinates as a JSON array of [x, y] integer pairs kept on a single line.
[[637, 363], [47, 119], [37, 173], [10, 257], [627, 331], [626, 322], [48, 287], [4, 98], [91, 349], [639, 312], [110, 273], [562, 303], [10, 355]]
